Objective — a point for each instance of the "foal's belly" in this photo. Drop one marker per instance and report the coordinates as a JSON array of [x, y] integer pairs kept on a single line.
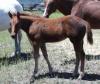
[[54, 38]]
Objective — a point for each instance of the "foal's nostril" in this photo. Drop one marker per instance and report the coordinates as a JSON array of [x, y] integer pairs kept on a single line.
[[13, 36]]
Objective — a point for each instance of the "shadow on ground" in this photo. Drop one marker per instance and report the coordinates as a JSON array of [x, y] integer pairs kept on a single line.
[[88, 58], [65, 75], [92, 57], [15, 59]]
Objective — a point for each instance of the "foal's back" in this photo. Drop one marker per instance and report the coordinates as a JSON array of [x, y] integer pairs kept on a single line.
[[53, 30]]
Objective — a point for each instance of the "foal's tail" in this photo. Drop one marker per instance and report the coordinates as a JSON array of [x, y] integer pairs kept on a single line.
[[89, 33]]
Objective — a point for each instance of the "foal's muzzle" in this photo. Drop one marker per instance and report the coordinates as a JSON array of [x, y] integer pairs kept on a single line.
[[13, 35]]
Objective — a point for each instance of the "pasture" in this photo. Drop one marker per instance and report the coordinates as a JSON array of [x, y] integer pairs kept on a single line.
[[18, 70]]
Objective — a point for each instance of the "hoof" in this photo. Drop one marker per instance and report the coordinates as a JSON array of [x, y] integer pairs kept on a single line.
[[13, 54], [51, 70], [36, 75], [81, 75], [32, 80], [75, 74], [16, 54]]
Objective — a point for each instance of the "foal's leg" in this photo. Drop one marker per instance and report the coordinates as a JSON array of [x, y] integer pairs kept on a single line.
[[82, 63], [80, 56], [36, 57], [44, 52], [79, 48], [77, 53]]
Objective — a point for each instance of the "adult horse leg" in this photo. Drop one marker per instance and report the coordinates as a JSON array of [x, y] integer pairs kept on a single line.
[[17, 43], [44, 52], [36, 57], [80, 56]]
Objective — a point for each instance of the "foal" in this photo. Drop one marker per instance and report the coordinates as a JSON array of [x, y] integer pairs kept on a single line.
[[42, 30]]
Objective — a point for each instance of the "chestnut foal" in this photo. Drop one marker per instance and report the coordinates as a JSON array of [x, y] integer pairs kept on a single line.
[[42, 30]]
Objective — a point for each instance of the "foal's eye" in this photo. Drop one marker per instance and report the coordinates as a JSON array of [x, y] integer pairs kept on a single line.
[[10, 24]]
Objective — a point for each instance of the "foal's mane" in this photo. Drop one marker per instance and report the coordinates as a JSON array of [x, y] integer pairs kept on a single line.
[[30, 16]]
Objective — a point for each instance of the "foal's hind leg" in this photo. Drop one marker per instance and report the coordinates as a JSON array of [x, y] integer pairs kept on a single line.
[[81, 74], [80, 56], [44, 52], [36, 57]]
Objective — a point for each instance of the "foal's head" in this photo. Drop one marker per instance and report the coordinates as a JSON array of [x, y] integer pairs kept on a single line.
[[15, 23]]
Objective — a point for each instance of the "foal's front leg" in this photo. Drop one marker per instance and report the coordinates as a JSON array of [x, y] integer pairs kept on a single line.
[[35, 46], [44, 52]]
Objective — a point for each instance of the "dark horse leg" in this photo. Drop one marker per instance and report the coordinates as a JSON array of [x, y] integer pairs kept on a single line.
[[17, 41], [80, 57], [35, 52], [44, 51], [36, 57]]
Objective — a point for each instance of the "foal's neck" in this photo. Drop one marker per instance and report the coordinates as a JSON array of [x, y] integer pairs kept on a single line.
[[25, 23], [27, 20]]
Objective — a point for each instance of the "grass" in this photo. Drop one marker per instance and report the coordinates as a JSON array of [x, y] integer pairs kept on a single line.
[[61, 55], [56, 15]]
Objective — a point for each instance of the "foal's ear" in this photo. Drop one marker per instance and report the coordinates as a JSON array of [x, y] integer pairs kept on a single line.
[[10, 15]]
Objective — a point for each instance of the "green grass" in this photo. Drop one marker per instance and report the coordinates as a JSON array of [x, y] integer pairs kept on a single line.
[[56, 15], [7, 43]]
